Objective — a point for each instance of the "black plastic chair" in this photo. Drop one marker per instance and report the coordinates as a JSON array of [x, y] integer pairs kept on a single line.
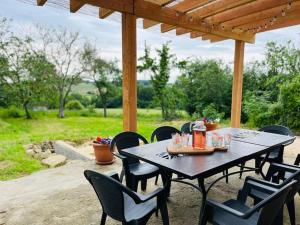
[[297, 161], [186, 128], [133, 170], [163, 133], [236, 212], [276, 173], [122, 204], [276, 155]]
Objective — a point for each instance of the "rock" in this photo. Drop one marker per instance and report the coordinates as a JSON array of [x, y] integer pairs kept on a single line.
[[55, 161], [37, 150], [52, 150], [30, 152], [46, 154]]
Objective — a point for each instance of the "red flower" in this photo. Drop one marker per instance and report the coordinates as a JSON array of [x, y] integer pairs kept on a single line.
[[98, 139]]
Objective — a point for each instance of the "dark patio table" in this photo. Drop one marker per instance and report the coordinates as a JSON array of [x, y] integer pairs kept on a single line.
[[245, 145]]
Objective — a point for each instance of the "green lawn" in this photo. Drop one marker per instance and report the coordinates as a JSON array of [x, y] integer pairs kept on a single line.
[[77, 126]]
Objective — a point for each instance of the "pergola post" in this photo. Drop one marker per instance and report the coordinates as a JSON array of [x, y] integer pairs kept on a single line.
[[237, 84], [129, 72]]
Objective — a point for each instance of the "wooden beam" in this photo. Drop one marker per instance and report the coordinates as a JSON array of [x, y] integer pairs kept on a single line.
[[129, 52], [103, 13], [237, 84], [290, 21], [41, 2], [245, 9], [75, 5], [150, 23], [124, 6], [185, 6], [268, 13], [170, 16]]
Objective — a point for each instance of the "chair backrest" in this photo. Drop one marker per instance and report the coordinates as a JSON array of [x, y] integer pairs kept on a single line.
[[109, 192], [277, 129], [295, 176], [163, 133], [272, 206], [186, 128], [127, 140]]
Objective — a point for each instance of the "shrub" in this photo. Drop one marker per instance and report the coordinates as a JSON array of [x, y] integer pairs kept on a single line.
[[211, 113], [12, 112], [74, 105]]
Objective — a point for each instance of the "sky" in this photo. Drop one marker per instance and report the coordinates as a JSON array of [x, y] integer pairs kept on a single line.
[[107, 34]]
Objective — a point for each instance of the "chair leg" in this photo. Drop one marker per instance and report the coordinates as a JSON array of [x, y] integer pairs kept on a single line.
[[134, 185], [164, 211], [156, 179], [257, 165], [291, 209], [122, 175], [103, 218], [242, 169], [144, 185]]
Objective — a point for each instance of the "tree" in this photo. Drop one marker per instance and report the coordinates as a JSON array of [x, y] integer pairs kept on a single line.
[[64, 49], [204, 82], [105, 74], [24, 73], [160, 74]]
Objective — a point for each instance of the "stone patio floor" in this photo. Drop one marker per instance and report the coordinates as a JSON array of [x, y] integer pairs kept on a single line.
[[62, 196]]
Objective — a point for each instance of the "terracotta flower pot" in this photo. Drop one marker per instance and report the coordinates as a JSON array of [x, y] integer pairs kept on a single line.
[[211, 126], [103, 156]]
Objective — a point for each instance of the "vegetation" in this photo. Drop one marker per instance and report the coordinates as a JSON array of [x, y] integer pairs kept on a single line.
[[16, 132]]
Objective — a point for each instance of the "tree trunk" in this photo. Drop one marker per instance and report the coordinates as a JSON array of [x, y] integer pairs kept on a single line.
[[104, 106], [25, 106], [61, 107]]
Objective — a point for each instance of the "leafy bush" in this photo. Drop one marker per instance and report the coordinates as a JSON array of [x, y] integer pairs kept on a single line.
[[12, 112], [210, 113], [74, 105]]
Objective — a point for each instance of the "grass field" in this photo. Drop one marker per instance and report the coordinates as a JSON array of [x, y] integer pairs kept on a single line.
[[77, 126]]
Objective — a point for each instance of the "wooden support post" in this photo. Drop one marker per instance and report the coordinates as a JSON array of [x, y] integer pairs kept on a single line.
[[237, 84], [129, 72]]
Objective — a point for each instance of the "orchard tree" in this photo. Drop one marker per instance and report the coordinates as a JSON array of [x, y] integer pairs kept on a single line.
[[160, 74], [64, 49], [24, 73], [105, 74]]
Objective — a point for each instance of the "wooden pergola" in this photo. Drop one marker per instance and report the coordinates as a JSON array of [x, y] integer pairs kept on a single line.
[[213, 20]]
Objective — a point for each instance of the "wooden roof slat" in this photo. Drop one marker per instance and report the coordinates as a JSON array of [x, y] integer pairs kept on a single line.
[[103, 13], [150, 23], [288, 20], [195, 34], [166, 27], [268, 13], [245, 9], [217, 7], [186, 6], [41, 2], [170, 16], [181, 31], [76, 5]]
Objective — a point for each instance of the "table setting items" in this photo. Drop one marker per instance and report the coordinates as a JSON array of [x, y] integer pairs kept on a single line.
[[202, 142]]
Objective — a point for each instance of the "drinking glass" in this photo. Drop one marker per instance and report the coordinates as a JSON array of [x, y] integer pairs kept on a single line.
[[176, 140], [227, 139], [185, 139], [214, 140]]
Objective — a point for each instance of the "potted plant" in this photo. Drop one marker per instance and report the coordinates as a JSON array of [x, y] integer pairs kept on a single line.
[[211, 117], [103, 155]]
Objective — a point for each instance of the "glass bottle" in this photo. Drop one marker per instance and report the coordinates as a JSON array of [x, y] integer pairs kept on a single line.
[[199, 135]]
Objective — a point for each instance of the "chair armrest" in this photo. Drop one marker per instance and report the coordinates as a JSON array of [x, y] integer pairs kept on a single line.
[[118, 155], [156, 193], [284, 167], [250, 185], [297, 161], [220, 206], [264, 182]]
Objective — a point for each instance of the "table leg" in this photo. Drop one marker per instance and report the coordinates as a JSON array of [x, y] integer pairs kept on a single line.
[[204, 195], [260, 168], [166, 178]]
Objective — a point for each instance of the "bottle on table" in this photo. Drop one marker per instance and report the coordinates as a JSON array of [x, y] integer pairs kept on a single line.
[[199, 135]]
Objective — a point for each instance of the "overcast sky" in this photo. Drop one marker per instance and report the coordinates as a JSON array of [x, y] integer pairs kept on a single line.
[[107, 33]]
